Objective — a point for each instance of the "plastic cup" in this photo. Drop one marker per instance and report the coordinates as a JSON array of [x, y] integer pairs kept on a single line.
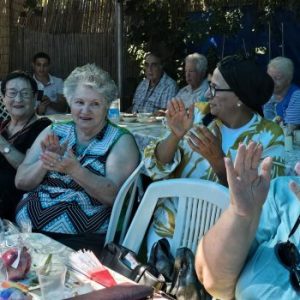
[[25, 226], [52, 281], [3, 271]]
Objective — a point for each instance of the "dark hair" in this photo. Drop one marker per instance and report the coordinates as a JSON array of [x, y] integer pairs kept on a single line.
[[18, 74], [41, 55], [157, 54]]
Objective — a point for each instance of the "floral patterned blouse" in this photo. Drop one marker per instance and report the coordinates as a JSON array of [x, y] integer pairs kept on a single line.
[[190, 164]]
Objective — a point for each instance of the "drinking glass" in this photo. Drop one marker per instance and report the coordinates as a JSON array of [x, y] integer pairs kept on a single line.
[[52, 281], [25, 226]]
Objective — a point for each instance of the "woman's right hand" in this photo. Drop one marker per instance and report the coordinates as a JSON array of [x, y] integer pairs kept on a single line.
[[178, 119], [248, 189]]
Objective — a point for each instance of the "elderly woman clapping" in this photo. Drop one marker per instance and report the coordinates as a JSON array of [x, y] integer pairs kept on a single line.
[[236, 93], [17, 133], [76, 168]]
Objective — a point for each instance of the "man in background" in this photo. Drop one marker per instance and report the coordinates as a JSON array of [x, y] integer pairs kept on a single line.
[[156, 89], [50, 88], [195, 76]]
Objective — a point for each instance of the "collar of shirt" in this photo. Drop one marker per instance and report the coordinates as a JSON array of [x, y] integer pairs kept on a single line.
[[48, 83]]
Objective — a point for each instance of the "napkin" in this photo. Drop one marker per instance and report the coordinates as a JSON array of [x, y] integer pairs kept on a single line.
[[85, 262]]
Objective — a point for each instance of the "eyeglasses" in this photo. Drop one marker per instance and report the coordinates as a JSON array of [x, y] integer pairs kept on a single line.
[[24, 94], [288, 255], [213, 90]]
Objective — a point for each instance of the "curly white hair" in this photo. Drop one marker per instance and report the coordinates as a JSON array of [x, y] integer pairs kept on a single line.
[[94, 77]]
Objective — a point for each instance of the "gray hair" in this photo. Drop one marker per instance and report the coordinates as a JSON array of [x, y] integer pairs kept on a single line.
[[94, 77], [284, 65], [199, 60]]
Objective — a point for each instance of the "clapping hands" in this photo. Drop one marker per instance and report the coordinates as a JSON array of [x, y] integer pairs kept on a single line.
[[56, 157], [248, 188], [178, 119]]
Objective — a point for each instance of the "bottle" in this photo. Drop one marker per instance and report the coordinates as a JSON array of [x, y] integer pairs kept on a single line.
[[288, 139], [114, 111]]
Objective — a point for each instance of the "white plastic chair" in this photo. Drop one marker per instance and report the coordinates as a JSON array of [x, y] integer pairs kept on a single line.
[[130, 185], [200, 204]]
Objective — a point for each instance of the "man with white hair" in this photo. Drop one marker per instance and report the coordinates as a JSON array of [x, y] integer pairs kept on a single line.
[[284, 105], [195, 76]]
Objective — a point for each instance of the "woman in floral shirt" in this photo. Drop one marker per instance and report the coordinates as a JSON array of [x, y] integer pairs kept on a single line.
[[238, 89]]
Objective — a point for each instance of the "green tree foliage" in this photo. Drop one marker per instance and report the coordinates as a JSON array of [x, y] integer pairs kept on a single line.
[[167, 25]]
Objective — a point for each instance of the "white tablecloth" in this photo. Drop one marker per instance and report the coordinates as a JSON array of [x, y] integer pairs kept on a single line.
[[40, 246]]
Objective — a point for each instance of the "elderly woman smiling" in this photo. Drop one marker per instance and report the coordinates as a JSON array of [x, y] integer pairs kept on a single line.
[[17, 134], [76, 168], [237, 91]]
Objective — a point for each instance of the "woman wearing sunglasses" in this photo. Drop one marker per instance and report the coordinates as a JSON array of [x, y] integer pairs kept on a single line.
[[252, 252], [237, 91]]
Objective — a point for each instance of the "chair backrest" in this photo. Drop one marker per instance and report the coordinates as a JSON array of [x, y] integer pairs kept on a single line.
[[3, 112], [200, 204], [130, 185]]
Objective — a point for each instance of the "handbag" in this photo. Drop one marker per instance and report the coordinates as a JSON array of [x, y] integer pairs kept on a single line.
[[124, 261], [181, 279]]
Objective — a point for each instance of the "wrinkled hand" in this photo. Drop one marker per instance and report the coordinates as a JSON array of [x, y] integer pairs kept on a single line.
[[248, 189], [178, 119], [64, 164], [51, 143], [208, 145]]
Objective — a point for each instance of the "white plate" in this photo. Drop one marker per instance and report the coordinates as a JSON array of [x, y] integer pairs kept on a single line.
[[129, 119]]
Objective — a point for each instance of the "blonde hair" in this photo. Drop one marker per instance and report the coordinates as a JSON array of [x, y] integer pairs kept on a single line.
[[94, 77]]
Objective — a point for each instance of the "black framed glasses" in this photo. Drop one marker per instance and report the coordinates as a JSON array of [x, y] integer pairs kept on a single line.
[[213, 89], [288, 255]]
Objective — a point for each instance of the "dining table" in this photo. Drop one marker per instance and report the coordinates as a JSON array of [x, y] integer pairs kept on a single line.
[[41, 249]]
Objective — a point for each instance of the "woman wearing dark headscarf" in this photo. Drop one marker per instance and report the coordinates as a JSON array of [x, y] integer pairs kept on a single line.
[[237, 91]]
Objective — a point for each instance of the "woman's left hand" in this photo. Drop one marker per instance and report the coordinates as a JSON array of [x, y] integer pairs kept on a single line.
[[206, 143], [64, 164]]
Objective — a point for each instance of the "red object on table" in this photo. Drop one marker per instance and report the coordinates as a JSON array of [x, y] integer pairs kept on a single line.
[[104, 278]]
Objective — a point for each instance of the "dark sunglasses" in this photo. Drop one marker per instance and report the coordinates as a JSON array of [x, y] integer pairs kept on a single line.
[[213, 89], [288, 255]]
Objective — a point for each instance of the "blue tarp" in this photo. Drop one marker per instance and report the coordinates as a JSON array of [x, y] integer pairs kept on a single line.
[[252, 36]]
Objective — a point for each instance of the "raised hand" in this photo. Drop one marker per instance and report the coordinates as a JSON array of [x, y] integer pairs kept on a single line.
[[208, 145], [248, 189], [51, 144], [178, 119]]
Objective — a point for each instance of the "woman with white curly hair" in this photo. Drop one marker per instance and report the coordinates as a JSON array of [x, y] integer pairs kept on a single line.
[[74, 169]]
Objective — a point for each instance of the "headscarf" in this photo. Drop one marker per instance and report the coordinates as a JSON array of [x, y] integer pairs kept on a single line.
[[252, 85]]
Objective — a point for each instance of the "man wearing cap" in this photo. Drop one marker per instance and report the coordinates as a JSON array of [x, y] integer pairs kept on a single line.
[[237, 91]]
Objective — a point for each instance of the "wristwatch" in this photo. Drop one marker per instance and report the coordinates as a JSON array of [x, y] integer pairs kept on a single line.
[[6, 150]]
